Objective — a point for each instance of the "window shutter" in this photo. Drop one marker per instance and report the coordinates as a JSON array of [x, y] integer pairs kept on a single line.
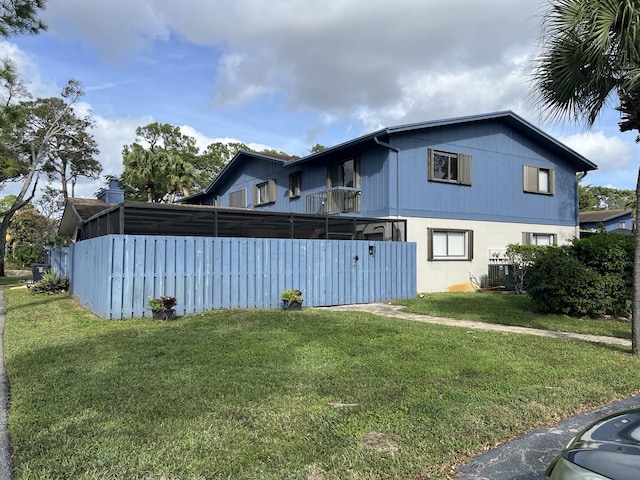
[[429, 244], [552, 181], [526, 238], [271, 188], [238, 198], [255, 195], [554, 239], [530, 178], [470, 243], [464, 169], [430, 164]]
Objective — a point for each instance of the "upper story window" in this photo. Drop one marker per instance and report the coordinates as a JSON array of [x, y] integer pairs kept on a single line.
[[344, 174], [238, 198], [449, 167], [295, 184], [538, 180], [264, 192]]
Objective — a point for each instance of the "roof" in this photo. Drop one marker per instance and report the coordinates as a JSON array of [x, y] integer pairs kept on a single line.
[[78, 210], [277, 158], [510, 118], [604, 215], [507, 116]]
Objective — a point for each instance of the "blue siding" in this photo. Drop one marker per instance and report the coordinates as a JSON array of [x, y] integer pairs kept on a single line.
[[496, 192], [115, 275], [395, 183], [610, 225]]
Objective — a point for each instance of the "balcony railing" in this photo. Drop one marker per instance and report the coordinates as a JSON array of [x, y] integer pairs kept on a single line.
[[334, 200]]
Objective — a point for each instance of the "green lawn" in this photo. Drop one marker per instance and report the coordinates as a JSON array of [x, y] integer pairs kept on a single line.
[[509, 309], [248, 394]]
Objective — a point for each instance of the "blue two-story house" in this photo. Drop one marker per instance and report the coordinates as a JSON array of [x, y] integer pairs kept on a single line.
[[467, 187]]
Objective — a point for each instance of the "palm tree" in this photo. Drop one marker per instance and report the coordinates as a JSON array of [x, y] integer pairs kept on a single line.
[[591, 57], [180, 175], [141, 167]]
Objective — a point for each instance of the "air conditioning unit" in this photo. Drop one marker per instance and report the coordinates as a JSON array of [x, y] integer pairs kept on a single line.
[[501, 276]]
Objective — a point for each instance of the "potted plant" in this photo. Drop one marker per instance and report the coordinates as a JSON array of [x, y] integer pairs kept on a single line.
[[162, 308], [291, 299]]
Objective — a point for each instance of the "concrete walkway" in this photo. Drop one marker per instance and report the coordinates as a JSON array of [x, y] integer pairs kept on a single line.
[[6, 464], [525, 457], [389, 310]]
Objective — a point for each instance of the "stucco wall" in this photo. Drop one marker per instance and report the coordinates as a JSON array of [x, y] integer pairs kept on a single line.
[[488, 238]]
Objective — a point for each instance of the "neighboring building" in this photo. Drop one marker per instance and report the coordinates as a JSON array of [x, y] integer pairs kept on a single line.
[[467, 187], [619, 221]]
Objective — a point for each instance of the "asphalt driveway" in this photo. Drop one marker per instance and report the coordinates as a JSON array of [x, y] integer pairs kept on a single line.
[[527, 457]]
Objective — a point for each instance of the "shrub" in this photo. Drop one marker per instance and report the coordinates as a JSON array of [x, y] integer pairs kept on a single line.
[[559, 282], [50, 283], [612, 257], [522, 257]]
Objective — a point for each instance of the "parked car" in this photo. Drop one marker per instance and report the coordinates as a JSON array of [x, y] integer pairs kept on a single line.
[[606, 449]]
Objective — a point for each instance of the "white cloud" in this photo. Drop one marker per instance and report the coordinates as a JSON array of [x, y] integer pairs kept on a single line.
[[331, 57], [617, 158], [296, 73]]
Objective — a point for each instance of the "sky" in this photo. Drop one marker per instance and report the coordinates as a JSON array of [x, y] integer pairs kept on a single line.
[[288, 74]]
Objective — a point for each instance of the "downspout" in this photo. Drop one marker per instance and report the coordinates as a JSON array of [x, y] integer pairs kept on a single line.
[[391, 147]]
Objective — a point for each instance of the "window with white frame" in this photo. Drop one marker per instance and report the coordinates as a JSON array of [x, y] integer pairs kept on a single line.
[[238, 198], [264, 192], [449, 167], [446, 244], [538, 179], [541, 239], [295, 184]]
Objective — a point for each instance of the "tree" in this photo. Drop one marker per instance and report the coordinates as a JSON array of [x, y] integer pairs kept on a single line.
[[593, 198], [21, 16], [590, 54], [31, 140], [317, 148], [29, 234], [73, 150], [160, 162], [211, 162]]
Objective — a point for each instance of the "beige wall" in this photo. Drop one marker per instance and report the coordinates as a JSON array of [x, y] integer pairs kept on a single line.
[[488, 237]]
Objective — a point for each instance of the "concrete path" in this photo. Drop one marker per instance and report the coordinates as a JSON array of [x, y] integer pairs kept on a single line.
[[389, 310], [525, 457], [6, 464]]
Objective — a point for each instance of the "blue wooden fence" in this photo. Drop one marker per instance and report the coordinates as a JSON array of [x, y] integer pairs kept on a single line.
[[115, 275]]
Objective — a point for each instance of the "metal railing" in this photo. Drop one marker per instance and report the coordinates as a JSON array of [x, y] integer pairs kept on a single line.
[[334, 200]]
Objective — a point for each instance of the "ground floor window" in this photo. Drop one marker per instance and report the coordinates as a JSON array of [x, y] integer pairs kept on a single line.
[[445, 244], [542, 239]]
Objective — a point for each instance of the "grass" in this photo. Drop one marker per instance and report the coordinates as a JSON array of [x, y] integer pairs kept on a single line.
[[248, 394], [509, 309], [13, 280]]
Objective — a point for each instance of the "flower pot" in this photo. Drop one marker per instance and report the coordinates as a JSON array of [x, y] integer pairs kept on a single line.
[[291, 305], [164, 315]]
